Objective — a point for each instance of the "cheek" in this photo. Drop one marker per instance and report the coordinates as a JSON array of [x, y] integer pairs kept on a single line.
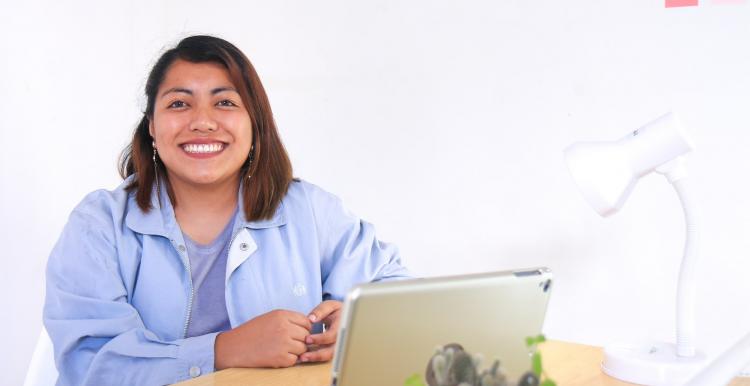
[[242, 130], [166, 127]]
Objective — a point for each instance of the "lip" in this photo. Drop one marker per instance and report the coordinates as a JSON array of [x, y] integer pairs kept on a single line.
[[203, 141]]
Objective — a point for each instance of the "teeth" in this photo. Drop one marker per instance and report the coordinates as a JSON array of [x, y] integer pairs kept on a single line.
[[203, 148]]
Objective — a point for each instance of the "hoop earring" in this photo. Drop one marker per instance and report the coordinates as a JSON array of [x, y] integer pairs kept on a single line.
[[156, 172]]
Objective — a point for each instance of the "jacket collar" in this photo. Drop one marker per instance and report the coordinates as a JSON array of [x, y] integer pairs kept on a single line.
[[161, 221]]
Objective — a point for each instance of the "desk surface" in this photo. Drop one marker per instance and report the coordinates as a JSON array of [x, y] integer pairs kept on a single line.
[[566, 363]]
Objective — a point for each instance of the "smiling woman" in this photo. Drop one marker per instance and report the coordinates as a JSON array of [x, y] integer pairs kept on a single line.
[[202, 83], [209, 255], [202, 101], [203, 134]]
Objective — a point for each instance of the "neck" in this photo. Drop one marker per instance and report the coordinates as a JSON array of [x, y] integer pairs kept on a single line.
[[218, 199]]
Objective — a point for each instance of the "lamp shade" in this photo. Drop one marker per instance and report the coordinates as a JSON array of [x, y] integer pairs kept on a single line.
[[606, 172], [602, 173]]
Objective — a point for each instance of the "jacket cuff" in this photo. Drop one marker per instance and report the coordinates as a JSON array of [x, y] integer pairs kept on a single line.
[[196, 356]]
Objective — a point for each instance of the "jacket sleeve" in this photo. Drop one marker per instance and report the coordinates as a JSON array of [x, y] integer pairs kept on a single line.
[[98, 337], [351, 254]]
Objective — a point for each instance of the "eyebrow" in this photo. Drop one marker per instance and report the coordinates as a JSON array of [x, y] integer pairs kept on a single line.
[[190, 92]]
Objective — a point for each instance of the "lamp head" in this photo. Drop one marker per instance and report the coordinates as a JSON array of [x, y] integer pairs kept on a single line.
[[606, 172]]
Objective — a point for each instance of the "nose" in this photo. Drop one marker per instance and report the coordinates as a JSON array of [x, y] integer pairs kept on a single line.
[[203, 122]]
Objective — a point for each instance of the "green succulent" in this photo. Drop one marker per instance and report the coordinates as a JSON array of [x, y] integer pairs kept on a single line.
[[452, 366], [493, 376], [537, 373]]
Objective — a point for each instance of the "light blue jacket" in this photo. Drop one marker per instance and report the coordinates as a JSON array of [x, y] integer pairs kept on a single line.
[[119, 288]]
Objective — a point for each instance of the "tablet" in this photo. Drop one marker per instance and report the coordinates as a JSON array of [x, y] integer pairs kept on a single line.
[[442, 331]]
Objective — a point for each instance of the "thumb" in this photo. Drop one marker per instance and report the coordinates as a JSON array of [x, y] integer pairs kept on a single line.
[[322, 310]]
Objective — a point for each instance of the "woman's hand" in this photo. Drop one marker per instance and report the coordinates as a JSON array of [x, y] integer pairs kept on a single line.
[[274, 339], [329, 312]]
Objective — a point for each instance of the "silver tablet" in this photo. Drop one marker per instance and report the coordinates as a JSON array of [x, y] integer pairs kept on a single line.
[[444, 330]]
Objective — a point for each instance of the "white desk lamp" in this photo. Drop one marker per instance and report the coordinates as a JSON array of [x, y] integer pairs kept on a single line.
[[725, 367], [606, 173]]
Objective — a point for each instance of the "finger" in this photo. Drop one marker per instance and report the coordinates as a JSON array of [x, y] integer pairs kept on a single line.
[[330, 334], [321, 355], [298, 333], [325, 338], [324, 309], [296, 347], [288, 361], [300, 320], [331, 322]]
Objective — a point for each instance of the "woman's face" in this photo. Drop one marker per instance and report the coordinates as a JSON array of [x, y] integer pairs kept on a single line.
[[201, 128]]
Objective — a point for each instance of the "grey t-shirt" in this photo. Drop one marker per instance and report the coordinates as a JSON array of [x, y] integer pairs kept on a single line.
[[208, 267]]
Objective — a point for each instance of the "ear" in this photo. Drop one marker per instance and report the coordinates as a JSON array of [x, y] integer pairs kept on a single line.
[[151, 128]]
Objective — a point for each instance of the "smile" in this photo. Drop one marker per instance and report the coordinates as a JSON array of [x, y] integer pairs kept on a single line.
[[203, 148]]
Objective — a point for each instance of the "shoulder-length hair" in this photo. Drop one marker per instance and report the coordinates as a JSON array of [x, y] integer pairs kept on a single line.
[[269, 163]]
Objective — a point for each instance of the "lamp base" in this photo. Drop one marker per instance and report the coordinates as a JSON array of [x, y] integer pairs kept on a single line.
[[655, 364]]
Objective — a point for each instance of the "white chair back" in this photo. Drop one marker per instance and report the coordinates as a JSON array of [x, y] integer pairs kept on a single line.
[[42, 370]]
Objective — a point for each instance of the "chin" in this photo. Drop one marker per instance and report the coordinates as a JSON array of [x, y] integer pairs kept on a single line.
[[204, 178], [207, 180]]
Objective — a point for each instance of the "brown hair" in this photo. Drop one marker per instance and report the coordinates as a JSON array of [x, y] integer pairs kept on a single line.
[[270, 168]]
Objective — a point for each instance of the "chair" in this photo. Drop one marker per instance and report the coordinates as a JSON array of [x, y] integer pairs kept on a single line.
[[42, 370]]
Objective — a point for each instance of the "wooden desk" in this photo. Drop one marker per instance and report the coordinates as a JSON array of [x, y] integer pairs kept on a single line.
[[566, 363]]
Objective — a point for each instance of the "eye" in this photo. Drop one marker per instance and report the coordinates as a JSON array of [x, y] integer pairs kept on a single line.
[[176, 105], [226, 103]]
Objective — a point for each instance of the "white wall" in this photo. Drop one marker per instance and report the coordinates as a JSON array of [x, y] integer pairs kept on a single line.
[[441, 122]]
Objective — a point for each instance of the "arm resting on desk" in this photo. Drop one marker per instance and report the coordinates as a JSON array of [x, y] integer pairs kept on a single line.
[[98, 337]]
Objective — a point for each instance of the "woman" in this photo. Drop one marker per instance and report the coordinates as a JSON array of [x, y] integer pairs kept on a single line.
[[209, 255]]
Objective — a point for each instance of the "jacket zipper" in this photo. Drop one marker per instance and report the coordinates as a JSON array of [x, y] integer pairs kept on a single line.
[[186, 263]]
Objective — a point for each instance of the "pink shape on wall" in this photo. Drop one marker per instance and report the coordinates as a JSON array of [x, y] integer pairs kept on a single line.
[[680, 3]]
